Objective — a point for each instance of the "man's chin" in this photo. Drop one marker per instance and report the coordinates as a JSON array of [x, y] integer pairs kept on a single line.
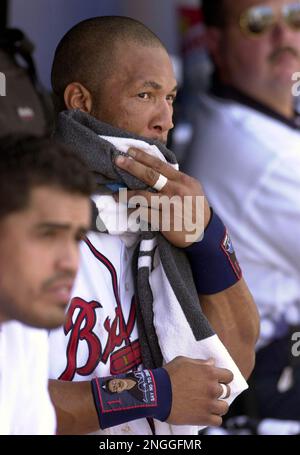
[[50, 320], [53, 322]]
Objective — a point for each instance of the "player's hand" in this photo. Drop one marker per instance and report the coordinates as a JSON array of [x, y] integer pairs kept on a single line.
[[196, 390], [188, 215]]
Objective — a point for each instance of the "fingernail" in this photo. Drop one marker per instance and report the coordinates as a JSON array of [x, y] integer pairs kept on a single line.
[[120, 159], [132, 152]]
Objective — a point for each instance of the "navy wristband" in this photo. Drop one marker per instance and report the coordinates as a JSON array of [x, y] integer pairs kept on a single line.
[[136, 395], [213, 261]]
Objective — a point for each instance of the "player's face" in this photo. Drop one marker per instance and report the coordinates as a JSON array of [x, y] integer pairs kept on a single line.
[[263, 63], [39, 256], [140, 94], [117, 385]]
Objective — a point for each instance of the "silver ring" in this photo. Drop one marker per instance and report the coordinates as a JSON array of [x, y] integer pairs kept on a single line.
[[160, 183], [224, 394]]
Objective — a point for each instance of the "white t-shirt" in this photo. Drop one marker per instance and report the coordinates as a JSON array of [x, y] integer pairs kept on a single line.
[[249, 165], [25, 405]]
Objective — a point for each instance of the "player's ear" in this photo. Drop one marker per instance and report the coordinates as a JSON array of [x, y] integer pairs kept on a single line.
[[76, 96]]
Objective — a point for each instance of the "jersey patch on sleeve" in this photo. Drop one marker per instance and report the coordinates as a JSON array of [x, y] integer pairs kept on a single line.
[[123, 392], [228, 249]]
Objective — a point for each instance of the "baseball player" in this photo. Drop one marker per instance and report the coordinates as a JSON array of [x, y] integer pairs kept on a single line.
[[44, 212], [115, 70]]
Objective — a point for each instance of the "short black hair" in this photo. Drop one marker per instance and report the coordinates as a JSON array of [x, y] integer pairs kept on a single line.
[[86, 52], [214, 12], [27, 162]]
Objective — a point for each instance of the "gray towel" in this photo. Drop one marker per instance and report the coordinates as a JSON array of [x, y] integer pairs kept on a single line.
[[81, 131]]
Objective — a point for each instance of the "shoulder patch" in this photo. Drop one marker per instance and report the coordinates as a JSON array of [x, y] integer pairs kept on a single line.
[[228, 249]]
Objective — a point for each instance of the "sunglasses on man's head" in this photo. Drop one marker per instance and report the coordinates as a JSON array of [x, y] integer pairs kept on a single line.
[[259, 19]]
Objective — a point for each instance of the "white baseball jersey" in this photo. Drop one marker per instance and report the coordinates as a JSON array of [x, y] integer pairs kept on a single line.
[[25, 405], [249, 165], [100, 335]]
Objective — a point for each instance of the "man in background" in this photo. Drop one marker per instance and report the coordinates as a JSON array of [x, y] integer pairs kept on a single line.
[[245, 151], [44, 213]]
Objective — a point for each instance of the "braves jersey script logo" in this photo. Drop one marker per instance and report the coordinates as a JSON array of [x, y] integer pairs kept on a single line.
[[82, 329]]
